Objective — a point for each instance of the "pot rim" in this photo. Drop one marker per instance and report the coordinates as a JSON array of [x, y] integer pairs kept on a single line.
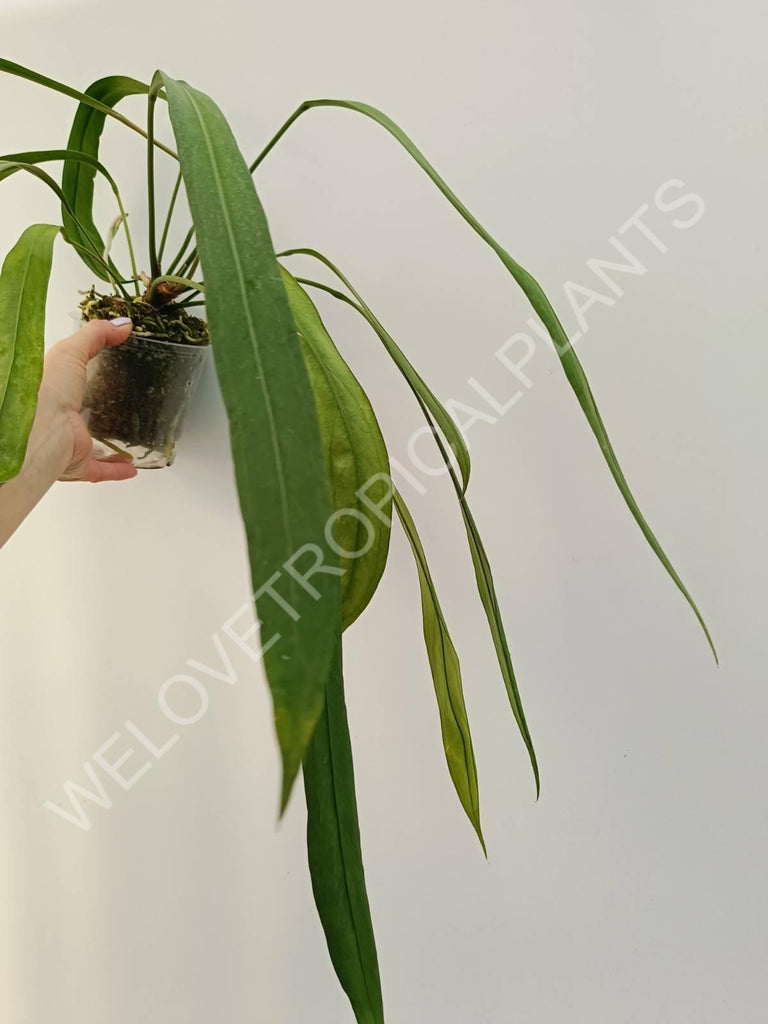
[[148, 337], [185, 345]]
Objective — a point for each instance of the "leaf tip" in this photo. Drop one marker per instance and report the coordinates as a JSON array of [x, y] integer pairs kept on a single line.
[[712, 647], [702, 623], [290, 771], [536, 776]]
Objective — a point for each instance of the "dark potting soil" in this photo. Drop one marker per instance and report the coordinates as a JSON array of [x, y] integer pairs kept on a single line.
[[137, 392], [168, 322]]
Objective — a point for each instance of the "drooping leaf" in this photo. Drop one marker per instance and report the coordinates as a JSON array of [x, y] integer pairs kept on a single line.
[[544, 309], [419, 386], [356, 458], [483, 575], [274, 431], [446, 676], [487, 591], [77, 229], [78, 177], [23, 290], [42, 156], [335, 857], [9, 167], [9, 67]]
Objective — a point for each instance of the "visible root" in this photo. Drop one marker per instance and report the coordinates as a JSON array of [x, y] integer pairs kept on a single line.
[[168, 323]]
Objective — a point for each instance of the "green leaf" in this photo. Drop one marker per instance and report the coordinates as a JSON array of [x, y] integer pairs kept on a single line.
[[418, 385], [483, 575], [335, 857], [76, 229], [541, 304], [10, 167], [487, 591], [9, 67], [42, 156], [274, 431], [78, 177], [446, 676], [23, 290], [356, 458]]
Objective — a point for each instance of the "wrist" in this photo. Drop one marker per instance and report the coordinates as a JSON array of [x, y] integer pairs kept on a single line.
[[45, 460], [48, 452]]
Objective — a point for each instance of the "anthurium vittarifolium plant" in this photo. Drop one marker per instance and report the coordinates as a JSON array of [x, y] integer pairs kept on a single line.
[[306, 445]]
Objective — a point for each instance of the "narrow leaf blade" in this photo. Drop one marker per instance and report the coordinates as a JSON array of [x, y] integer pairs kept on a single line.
[[79, 232], [23, 290], [335, 856], [543, 307], [446, 676], [419, 386], [9, 67], [274, 432], [487, 591], [483, 574], [10, 167]]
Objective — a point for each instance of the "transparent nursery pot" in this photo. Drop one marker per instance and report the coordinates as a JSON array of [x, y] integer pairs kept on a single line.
[[137, 395]]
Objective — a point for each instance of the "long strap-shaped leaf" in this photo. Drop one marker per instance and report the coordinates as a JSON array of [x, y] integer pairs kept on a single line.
[[43, 156], [76, 228], [483, 575], [541, 304], [274, 432], [356, 458], [335, 857], [446, 676], [23, 289], [78, 178], [10, 67], [10, 167], [448, 426]]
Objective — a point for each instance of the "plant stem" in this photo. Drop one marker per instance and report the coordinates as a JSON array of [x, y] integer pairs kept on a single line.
[[180, 254], [190, 264], [154, 262], [276, 138], [171, 207], [91, 250], [129, 241]]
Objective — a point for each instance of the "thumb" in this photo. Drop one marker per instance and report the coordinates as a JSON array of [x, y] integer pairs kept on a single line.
[[96, 335]]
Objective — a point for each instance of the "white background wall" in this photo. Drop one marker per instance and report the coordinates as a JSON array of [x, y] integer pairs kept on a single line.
[[634, 891]]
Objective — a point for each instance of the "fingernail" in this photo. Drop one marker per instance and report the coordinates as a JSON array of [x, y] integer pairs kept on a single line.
[[120, 321]]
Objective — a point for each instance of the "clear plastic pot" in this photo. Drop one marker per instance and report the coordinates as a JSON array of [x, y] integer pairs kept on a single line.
[[137, 395]]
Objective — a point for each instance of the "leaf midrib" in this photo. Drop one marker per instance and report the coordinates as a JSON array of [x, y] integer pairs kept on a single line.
[[16, 321], [469, 757], [353, 916], [252, 338]]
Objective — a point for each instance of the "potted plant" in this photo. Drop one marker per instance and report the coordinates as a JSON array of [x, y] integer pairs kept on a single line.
[[311, 464]]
